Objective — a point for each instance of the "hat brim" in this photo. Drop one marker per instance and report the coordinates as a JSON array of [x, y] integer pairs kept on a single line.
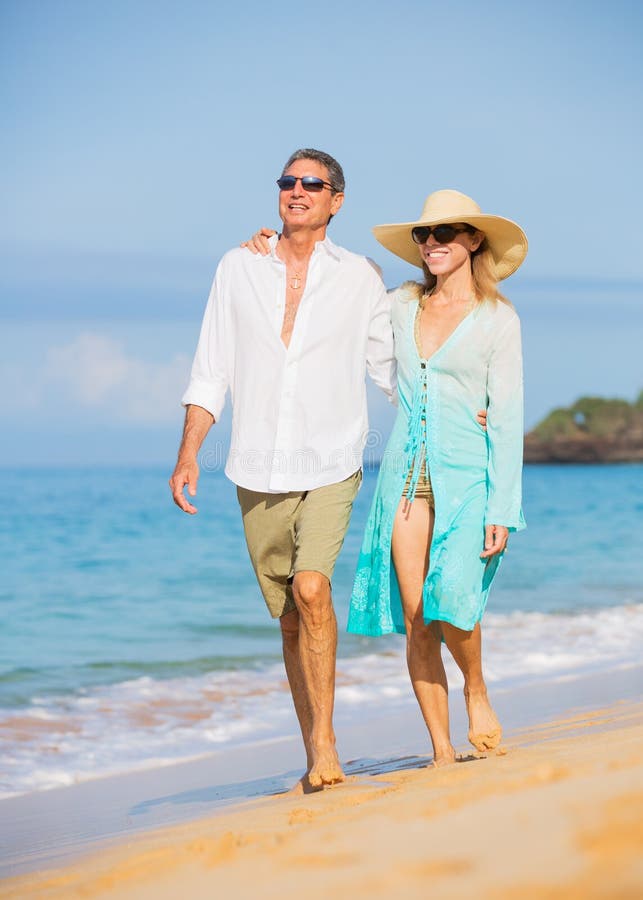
[[506, 240]]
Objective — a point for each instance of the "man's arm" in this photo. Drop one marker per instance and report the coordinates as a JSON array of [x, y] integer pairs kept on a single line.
[[205, 396], [198, 422]]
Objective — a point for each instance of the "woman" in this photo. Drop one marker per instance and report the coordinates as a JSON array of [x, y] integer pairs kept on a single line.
[[448, 494]]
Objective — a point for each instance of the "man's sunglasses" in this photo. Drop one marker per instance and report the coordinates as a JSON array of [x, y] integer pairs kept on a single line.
[[309, 183], [443, 234]]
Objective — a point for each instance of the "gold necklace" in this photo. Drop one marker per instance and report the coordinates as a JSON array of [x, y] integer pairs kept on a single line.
[[295, 281]]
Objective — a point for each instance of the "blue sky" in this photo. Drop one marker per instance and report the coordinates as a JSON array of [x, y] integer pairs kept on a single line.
[[142, 139]]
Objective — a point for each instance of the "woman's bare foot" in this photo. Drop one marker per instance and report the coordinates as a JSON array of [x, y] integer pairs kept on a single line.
[[443, 759], [485, 731], [326, 768]]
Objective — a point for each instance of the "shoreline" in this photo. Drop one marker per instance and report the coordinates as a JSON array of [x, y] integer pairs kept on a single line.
[[68, 826], [136, 724], [555, 814]]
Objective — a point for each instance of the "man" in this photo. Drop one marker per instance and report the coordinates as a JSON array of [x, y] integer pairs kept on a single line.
[[292, 334]]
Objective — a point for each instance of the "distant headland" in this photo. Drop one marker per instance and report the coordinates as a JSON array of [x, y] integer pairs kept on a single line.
[[594, 429]]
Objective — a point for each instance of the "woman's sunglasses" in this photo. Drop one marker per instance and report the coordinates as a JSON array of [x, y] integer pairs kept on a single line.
[[309, 183], [443, 234]]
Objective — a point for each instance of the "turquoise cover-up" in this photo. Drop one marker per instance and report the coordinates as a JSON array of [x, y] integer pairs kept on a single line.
[[476, 476]]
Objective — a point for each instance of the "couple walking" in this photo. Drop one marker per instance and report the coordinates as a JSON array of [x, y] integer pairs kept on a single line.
[[291, 331]]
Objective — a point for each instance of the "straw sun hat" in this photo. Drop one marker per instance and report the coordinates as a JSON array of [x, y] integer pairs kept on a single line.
[[506, 240]]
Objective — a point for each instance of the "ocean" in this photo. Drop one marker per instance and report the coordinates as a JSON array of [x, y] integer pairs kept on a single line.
[[135, 636]]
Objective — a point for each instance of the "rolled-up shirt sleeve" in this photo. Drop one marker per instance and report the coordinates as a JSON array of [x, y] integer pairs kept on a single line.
[[380, 351], [209, 380], [505, 430]]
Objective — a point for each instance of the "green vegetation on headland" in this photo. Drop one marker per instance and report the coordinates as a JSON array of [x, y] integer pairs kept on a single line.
[[591, 430]]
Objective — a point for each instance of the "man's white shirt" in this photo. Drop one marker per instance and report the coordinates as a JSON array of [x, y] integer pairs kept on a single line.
[[299, 415]]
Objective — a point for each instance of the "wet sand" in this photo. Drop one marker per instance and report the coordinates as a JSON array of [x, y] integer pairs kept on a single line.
[[556, 812]]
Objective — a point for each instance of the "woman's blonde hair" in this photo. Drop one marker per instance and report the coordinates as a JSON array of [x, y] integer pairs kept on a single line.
[[485, 284]]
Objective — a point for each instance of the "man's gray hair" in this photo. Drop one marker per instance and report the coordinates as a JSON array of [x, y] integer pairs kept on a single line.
[[335, 172]]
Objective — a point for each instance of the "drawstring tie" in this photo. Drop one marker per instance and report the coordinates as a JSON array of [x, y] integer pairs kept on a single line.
[[417, 444]]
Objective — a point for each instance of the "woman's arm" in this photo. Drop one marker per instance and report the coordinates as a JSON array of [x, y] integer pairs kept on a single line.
[[258, 243], [505, 430]]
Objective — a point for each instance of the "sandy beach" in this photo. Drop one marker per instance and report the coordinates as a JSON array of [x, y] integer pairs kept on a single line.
[[557, 811]]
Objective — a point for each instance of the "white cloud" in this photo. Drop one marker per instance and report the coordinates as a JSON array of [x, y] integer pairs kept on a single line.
[[95, 372], [91, 367]]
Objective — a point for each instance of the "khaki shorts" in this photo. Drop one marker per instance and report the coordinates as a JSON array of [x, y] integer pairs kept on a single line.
[[295, 532]]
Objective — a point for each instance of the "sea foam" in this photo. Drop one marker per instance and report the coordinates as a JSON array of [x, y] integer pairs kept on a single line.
[[149, 722]]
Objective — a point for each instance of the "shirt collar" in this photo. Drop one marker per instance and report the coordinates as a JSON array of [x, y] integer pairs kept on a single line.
[[327, 246]]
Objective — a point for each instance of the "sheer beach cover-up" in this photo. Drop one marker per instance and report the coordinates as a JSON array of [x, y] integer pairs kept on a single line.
[[476, 476]]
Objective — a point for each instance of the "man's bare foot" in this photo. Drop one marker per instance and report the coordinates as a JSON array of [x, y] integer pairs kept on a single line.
[[325, 769], [485, 731], [303, 786]]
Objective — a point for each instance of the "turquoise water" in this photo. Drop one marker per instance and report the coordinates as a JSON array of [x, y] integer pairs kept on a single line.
[[129, 623]]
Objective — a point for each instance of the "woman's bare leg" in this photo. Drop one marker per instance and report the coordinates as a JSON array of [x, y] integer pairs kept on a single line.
[[412, 531], [485, 731]]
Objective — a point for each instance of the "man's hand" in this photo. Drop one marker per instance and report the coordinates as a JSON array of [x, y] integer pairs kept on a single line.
[[481, 416], [495, 540], [197, 424], [258, 243], [186, 472]]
